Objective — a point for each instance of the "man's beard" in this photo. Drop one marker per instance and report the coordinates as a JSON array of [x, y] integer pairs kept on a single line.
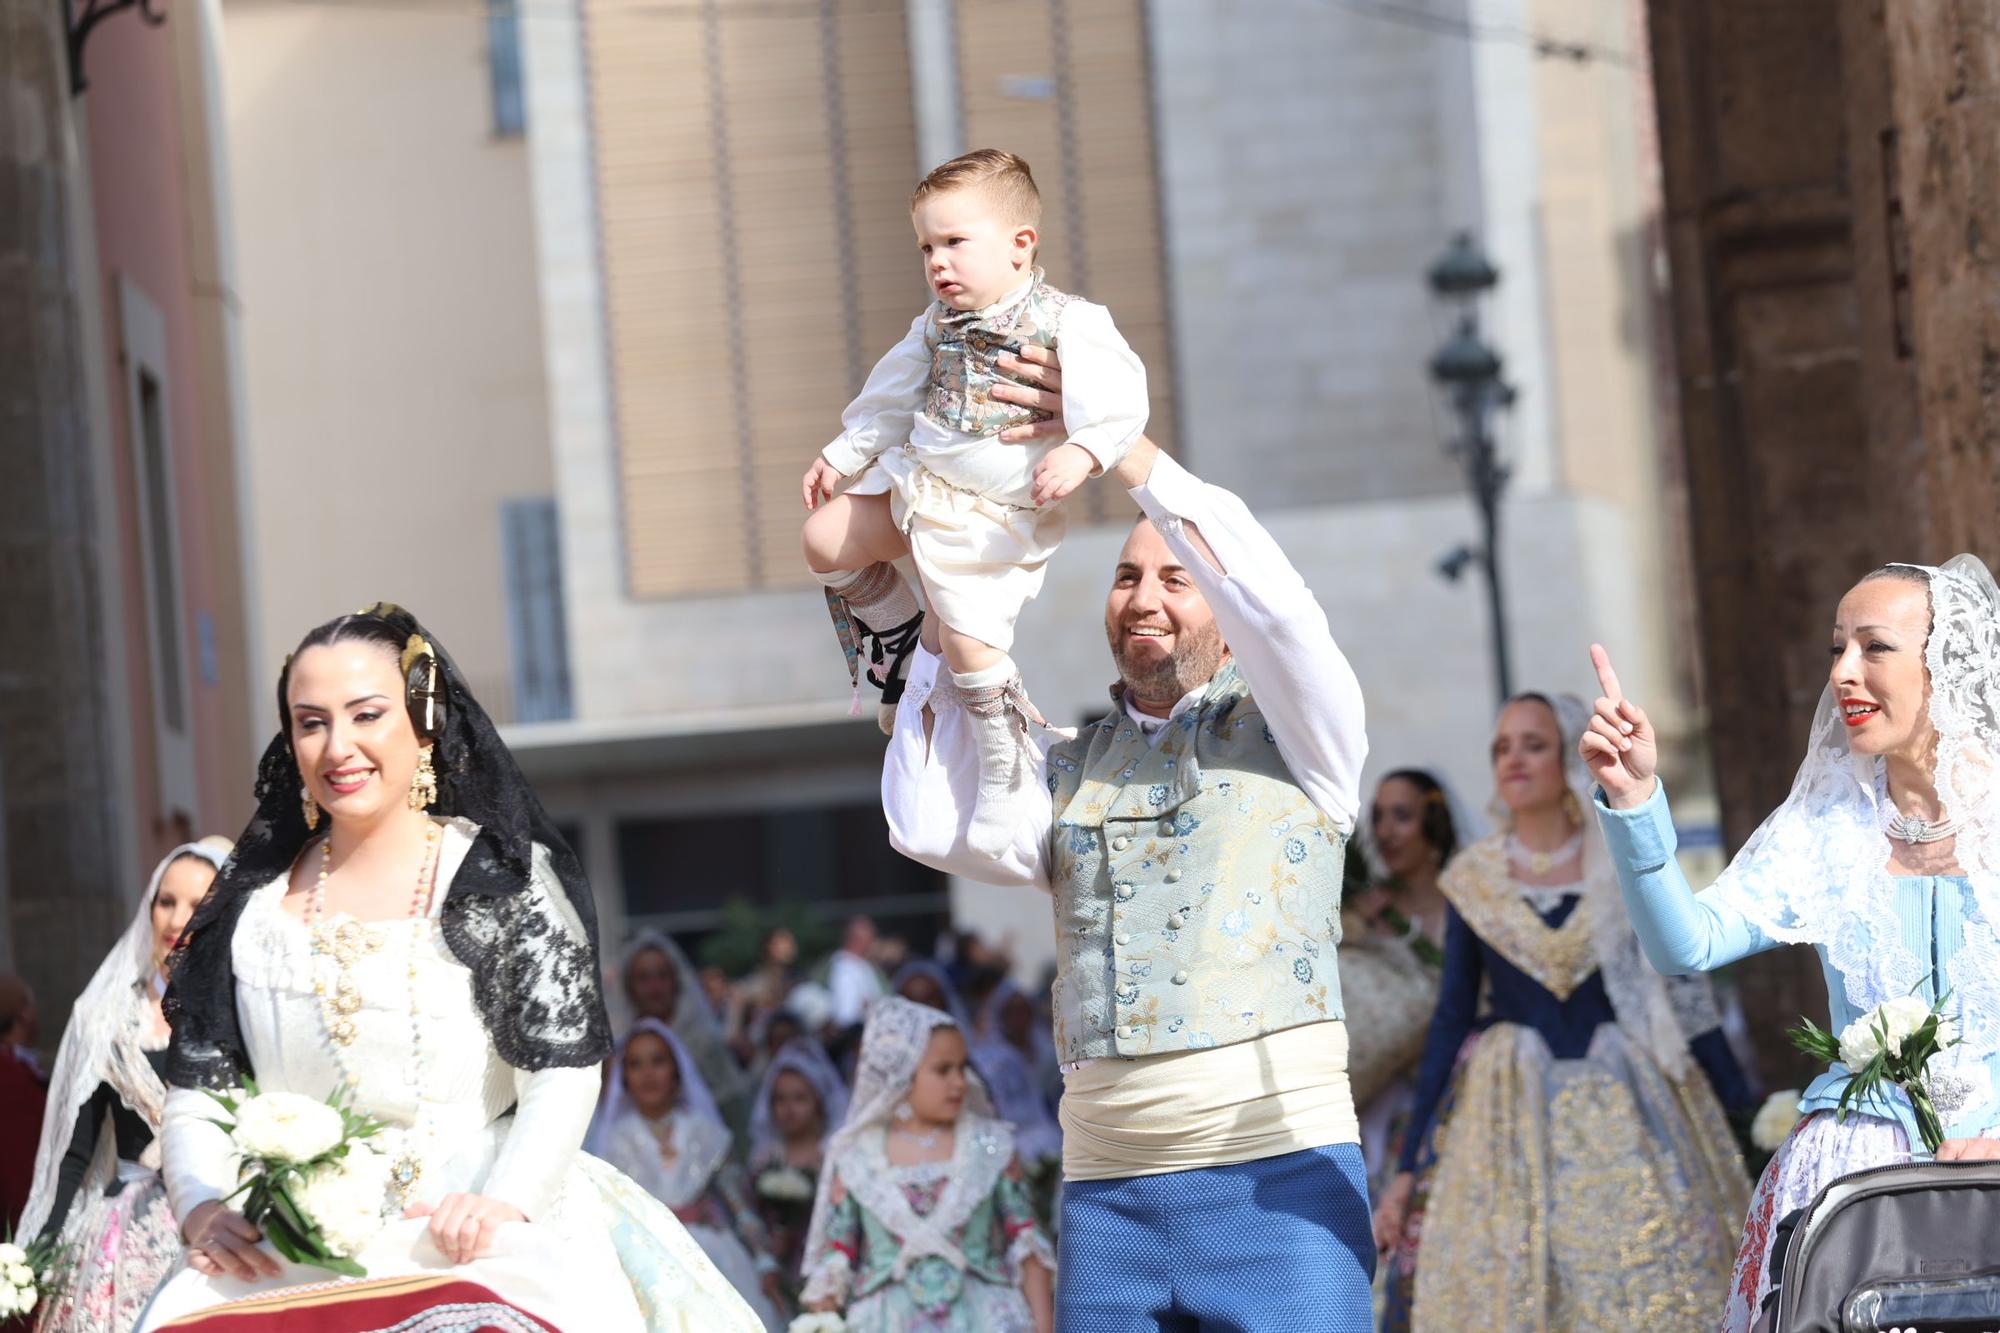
[[1196, 657]]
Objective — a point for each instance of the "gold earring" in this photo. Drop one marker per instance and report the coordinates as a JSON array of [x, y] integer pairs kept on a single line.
[[311, 808], [1573, 808], [423, 783]]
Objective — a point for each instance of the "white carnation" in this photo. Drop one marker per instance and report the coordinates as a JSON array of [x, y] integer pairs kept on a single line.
[[1775, 1119], [1862, 1040], [818, 1323], [11, 1254], [1859, 1042], [10, 1301], [344, 1199], [21, 1275], [1903, 1017], [24, 1299], [287, 1126]]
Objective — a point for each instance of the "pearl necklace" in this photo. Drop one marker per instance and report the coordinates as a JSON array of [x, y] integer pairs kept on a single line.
[[1912, 830], [344, 944], [1541, 863]]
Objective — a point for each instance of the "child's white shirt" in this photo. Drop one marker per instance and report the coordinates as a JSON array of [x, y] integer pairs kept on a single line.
[[1104, 408]]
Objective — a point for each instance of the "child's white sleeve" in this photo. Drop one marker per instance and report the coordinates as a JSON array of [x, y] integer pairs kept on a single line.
[[881, 416], [1103, 384]]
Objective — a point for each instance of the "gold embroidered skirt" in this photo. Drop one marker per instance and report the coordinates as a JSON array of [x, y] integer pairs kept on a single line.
[[1578, 1194]]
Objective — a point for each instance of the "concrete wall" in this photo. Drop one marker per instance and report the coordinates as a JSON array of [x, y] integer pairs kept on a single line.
[[394, 347]]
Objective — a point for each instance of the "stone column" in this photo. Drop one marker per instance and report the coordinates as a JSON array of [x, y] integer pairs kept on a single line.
[[1943, 59], [62, 887]]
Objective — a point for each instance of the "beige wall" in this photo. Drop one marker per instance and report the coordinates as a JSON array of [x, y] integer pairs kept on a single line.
[[1599, 207], [391, 327]]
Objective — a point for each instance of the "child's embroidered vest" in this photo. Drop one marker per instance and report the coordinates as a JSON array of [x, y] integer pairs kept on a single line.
[[965, 354], [1197, 889]]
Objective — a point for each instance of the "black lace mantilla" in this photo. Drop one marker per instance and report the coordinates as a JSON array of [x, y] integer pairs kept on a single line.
[[536, 983]]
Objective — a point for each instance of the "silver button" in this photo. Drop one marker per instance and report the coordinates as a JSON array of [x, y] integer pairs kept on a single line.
[[1175, 921], [1167, 828], [1180, 978], [1124, 893], [1124, 1033], [1174, 875], [1121, 938], [1120, 843]]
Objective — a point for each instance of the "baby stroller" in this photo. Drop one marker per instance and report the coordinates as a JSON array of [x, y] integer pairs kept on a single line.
[[1910, 1248]]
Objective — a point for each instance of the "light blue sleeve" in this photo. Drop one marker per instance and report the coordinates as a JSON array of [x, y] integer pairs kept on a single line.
[[1680, 932]]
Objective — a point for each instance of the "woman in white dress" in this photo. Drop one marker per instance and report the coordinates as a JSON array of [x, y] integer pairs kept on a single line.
[[97, 1189], [659, 1125], [400, 918]]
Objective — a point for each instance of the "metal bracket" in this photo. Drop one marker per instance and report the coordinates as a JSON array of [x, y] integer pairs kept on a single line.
[[81, 22]]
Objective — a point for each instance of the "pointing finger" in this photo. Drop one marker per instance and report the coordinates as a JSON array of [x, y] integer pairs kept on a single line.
[[1607, 679]]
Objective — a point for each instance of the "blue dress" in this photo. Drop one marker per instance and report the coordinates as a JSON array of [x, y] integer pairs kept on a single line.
[[1936, 915]]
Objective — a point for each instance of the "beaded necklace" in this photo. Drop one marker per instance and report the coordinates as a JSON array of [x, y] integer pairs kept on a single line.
[[1542, 863], [344, 944]]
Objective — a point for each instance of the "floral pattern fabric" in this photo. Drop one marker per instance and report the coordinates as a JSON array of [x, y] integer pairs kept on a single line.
[[122, 1244], [932, 1294]]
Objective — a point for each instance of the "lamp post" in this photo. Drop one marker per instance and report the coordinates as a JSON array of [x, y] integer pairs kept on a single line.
[[1467, 373]]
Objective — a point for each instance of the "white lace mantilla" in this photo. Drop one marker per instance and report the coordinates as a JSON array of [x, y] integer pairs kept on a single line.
[[1816, 871]]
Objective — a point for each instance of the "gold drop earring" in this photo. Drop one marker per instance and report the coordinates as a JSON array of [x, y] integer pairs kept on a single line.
[[423, 783], [310, 807]]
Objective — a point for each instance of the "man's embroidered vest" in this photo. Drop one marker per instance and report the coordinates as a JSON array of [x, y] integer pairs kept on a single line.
[[1197, 889], [965, 356]]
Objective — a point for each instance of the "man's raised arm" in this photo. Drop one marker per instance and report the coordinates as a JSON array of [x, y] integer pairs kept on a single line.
[[1273, 625]]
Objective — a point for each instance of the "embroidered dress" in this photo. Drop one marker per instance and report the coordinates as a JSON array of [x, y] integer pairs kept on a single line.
[[924, 431], [596, 1255], [937, 1246], [979, 1200], [1567, 1138], [682, 1160], [97, 1189]]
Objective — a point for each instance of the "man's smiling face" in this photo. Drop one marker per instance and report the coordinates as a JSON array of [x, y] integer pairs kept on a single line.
[[1163, 636]]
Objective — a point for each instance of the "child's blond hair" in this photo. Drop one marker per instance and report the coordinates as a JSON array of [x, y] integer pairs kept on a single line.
[[1002, 176]]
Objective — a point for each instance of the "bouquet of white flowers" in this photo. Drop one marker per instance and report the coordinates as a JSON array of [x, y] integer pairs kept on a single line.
[[785, 1184], [309, 1183], [27, 1272], [818, 1323], [1891, 1043]]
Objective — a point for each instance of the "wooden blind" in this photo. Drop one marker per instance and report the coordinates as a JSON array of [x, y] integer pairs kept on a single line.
[[754, 163], [1068, 85]]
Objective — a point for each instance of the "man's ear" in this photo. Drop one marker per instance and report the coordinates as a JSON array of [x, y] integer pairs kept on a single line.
[[1026, 239]]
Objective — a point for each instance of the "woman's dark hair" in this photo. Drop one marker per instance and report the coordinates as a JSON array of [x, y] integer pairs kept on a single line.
[[1436, 826], [419, 667]]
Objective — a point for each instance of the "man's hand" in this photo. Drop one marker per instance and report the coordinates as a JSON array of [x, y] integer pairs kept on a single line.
[[463, 1224], [1066, 467], [820, 479], [1042, 392]]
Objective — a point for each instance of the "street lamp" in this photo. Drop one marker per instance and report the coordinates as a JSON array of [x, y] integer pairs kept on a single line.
[[1467, 373]]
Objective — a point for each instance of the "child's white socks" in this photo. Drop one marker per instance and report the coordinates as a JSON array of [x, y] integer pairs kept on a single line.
[[998, 709]]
